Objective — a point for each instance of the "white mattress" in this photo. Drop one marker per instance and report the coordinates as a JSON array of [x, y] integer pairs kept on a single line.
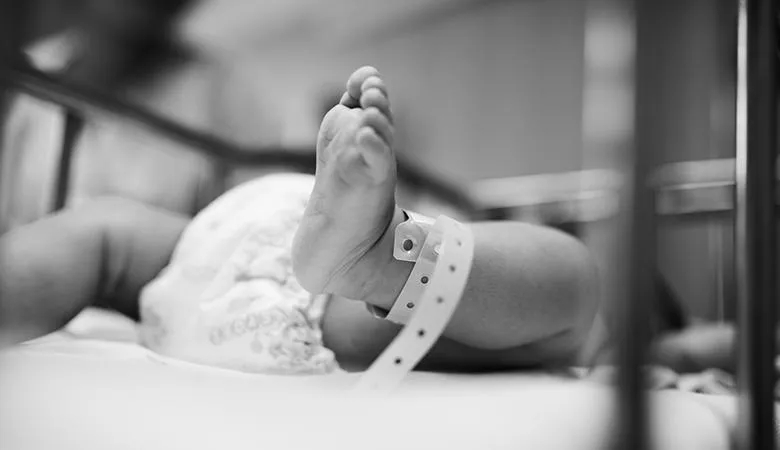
[[92, 387]]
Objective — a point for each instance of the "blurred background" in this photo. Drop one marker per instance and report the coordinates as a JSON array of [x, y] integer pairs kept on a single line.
[[487, 94]]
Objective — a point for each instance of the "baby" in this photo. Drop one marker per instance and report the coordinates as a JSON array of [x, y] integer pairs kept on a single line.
[[258, 252]]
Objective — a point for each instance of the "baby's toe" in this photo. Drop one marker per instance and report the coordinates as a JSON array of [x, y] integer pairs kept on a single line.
[[380, 123], [348, 101], [375, 98], [358, 77], [374, 82]]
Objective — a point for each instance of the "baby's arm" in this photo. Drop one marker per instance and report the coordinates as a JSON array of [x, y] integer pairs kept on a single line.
[[100, 254], [530, 299]]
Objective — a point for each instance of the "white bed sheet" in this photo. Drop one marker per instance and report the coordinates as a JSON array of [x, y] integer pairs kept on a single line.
[[91, 387]]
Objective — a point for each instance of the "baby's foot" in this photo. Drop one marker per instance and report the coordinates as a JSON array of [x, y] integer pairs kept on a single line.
[[336, 248]]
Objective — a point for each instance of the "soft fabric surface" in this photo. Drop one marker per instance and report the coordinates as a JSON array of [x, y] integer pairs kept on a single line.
[[93, 387]]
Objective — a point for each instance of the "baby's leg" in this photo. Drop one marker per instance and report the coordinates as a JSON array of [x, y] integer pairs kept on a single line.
[[102, 253], [530, 288]]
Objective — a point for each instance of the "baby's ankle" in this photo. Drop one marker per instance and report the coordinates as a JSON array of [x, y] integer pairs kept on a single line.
[[382, 283]]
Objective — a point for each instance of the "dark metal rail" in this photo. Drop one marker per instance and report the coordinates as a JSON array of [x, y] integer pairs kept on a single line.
[[685, 192], [755, 227], [612, 132], [40, 85]]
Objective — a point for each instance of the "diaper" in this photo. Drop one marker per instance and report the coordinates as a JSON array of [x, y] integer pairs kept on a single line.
[[228, 297]]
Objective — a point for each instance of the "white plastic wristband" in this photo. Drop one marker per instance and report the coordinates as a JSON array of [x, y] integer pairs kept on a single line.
[[415, 242], [451, 261]]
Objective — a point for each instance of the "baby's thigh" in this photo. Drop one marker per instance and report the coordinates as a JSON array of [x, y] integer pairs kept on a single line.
[[357, 338], [137, 243]]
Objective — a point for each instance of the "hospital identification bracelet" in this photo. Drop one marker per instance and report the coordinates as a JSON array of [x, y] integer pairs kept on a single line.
[[442, 253]]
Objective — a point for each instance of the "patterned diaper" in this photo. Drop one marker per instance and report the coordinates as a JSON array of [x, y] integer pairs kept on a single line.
[[229, 298]]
